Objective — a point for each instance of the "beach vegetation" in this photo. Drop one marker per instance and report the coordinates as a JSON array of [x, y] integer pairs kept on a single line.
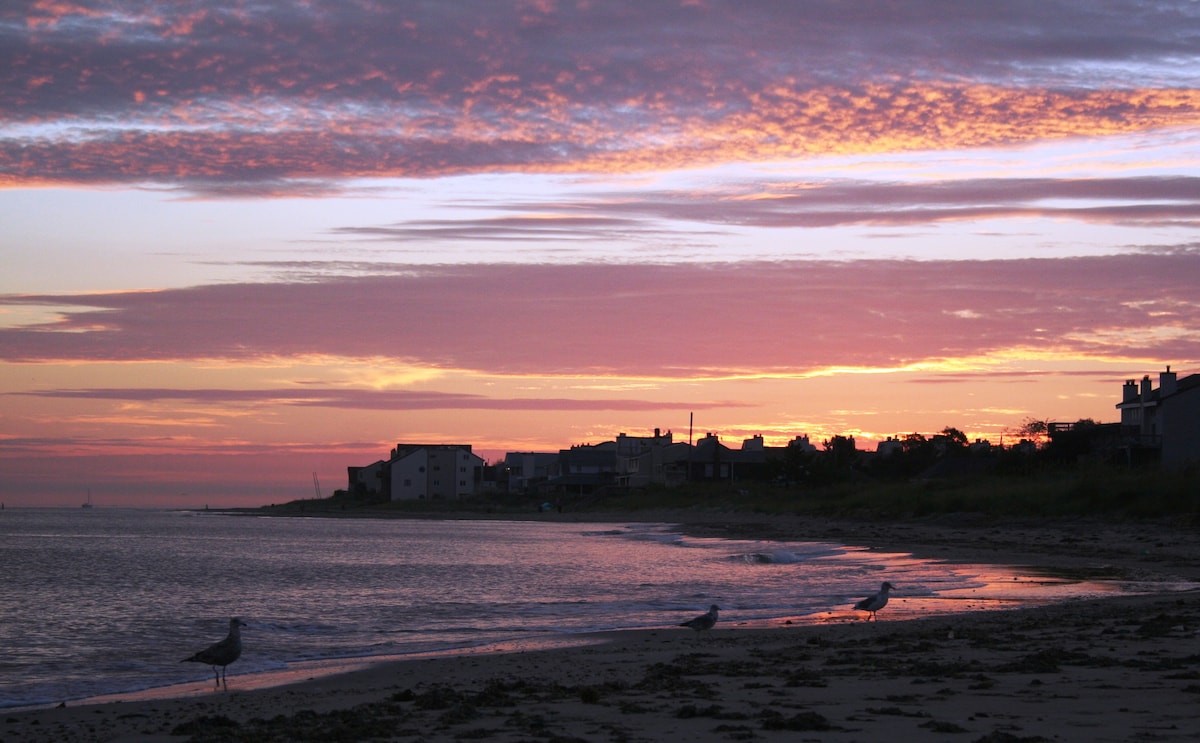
[[1093, 490], [1090, 489]]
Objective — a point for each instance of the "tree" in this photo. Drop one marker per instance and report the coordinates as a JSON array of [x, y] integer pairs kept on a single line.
[[954, 435], [915, 454], [1032, 429], [1070, 444], [836, 461], [950, 442], [841, 447], [914, 444]]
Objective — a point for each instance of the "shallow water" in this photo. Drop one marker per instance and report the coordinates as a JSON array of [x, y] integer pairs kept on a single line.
[[100, 601]]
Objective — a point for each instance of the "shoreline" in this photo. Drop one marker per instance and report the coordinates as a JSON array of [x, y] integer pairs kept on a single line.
[[300, 672], [1151, 543], [732, 681]]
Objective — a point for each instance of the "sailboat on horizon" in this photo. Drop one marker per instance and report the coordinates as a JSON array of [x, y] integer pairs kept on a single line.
[[88, 503]]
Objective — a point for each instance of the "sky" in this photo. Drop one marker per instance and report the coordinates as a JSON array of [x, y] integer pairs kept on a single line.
[[245, 245]]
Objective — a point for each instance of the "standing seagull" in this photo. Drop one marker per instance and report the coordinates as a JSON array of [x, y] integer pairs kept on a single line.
[[222, 653], [875, 602], [704, 621]]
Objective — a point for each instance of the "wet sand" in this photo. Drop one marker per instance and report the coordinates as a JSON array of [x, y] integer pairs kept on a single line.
[[1114, 669]]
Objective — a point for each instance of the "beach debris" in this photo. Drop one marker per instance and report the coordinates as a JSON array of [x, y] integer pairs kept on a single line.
[[704, 621], [222, 653], [875, 601]]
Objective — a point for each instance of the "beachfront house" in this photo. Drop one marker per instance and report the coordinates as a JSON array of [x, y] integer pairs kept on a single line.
[[710, 460], [642, 460], [583, 469], [524, 470], [436, 471], [639, 461], [371, 480], [1166, 418]]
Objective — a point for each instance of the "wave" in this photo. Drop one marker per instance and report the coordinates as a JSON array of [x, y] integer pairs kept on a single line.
[[777, 557], [785, 556]]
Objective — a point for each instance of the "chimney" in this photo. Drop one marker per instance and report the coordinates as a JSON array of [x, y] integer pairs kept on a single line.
[[1130, 392], [1166, 382], [1146, 387]]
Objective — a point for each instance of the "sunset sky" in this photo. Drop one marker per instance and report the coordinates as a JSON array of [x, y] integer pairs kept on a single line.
[[246, 242]]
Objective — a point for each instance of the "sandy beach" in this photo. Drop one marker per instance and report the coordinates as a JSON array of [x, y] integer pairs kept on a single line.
[[1117, 669]]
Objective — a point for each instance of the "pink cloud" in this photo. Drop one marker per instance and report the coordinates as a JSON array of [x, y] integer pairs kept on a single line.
[[769, 204], [247, 101], [229, 158], [378, 400], [656, 320], [590, 52]]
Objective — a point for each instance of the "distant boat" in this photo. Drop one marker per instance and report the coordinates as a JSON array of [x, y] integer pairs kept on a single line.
[[88, 504]]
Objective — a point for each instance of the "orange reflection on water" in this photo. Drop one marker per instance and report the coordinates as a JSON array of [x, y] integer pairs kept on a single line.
[[1003, 587]]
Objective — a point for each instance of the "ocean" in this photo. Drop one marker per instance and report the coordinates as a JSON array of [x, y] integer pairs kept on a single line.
[[106, 601]]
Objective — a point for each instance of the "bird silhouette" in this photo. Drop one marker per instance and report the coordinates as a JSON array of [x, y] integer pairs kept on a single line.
[[704, 621], [222, 653], [875, 601]]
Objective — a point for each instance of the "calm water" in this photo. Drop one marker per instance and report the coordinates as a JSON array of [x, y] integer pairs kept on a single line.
[[108, 601]]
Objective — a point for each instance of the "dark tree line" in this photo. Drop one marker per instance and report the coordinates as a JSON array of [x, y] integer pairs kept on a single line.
[[947, 453]]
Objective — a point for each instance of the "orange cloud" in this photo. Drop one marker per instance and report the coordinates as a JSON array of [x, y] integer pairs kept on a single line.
[[334, 90], [522, 137]]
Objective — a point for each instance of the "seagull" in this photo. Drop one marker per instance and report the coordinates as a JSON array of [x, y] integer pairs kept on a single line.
[[222, 653], [704, 621], [875, 602]]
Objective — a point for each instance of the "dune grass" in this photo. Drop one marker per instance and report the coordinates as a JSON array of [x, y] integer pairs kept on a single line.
[[1094, 490]]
